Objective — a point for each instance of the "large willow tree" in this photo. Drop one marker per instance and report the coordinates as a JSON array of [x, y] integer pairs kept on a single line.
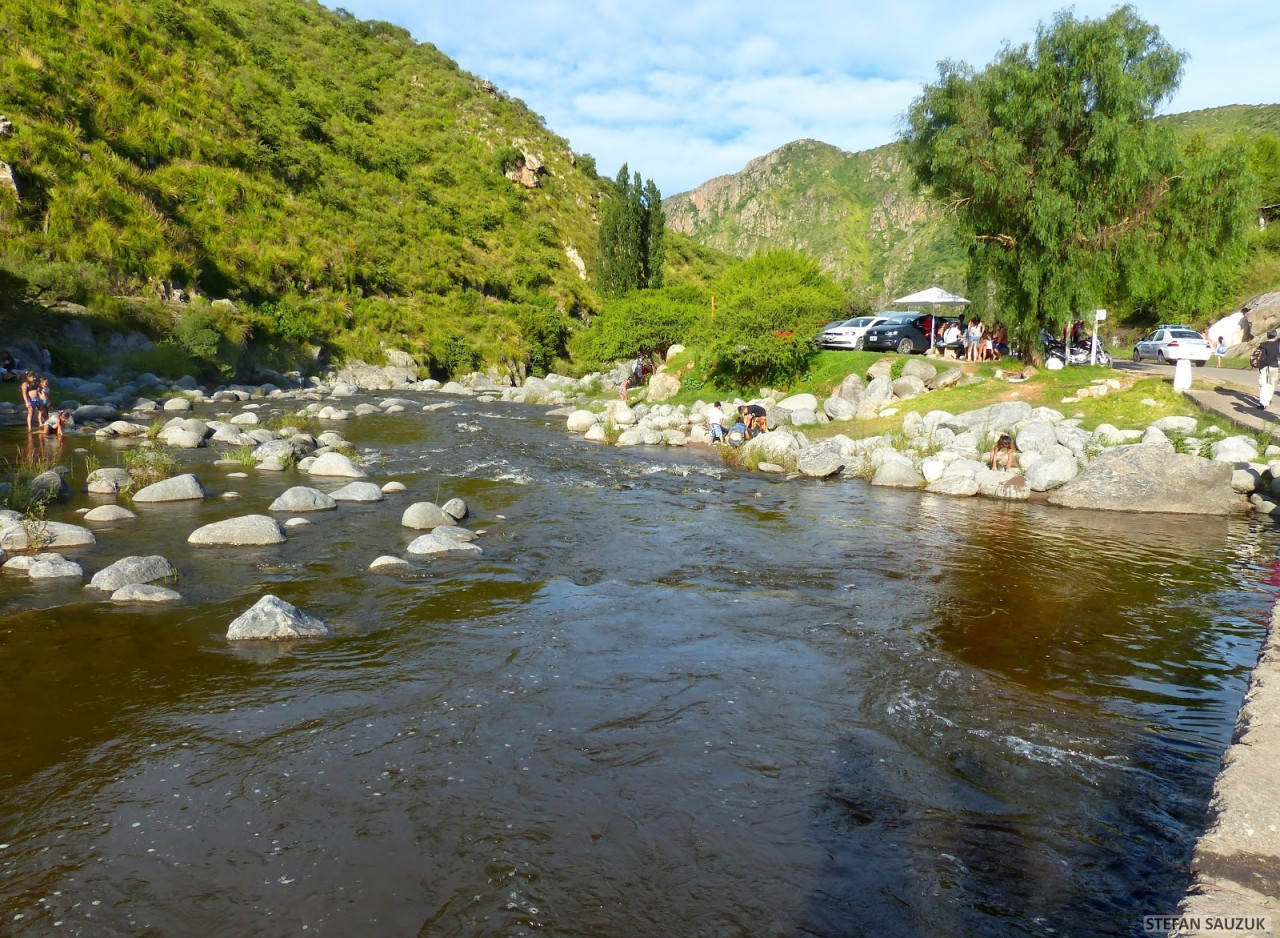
[[1070, 194]]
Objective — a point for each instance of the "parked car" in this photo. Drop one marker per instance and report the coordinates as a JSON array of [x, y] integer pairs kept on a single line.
[[903, 332], [848, 334], [1169, 343]]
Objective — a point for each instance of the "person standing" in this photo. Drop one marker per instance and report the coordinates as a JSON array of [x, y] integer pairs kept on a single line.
[[1268, 369], [715, 423], [1220, 349]]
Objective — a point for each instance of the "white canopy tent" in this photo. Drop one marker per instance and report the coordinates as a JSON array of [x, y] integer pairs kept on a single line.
[[934, 296]]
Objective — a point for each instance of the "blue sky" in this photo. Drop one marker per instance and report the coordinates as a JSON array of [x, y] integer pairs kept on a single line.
[[684, 91]]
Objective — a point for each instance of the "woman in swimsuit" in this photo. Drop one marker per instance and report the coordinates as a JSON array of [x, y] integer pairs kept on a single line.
[[30, 392]]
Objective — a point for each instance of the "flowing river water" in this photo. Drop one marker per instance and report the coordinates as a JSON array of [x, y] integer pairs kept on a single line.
[[669, 699]]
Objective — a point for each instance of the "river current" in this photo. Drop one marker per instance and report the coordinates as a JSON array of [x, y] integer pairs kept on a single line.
[[670, 699]]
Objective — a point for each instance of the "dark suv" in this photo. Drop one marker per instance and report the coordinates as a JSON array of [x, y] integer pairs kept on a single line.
[[904, 333]]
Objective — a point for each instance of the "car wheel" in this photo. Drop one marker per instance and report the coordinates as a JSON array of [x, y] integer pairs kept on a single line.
[[1201, 364], [858, 345], [1160, 359], [1136, 356], [906, 347]]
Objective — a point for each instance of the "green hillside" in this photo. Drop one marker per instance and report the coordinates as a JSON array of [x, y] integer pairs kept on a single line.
[[858, 215], [854, 212], [344, 185]]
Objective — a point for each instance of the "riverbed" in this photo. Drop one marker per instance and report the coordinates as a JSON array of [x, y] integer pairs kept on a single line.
[[670, 698]]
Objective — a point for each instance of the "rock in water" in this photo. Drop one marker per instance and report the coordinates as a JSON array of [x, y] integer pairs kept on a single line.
[[422, 516], [455, 508], [129, 570], [246, 531], [144, 593], [43, 535], [177, 489], [273, 619], [1148, 477], [303, 498], [335, 464], [357, 492]]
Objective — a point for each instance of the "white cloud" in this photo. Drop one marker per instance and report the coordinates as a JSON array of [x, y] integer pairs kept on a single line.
[[683, 90]]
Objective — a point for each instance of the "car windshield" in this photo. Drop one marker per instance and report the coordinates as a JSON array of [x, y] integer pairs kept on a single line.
[[903, 320], [860, 321], [1184, 334]]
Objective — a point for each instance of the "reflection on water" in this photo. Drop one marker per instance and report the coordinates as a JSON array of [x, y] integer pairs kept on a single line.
[[669, 699]]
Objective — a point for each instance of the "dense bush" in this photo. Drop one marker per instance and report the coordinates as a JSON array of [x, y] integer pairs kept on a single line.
[[768, 310], [645, 322]]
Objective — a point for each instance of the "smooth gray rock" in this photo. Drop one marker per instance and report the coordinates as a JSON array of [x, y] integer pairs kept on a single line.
[[59, 569], [435, 543], [580, 421], [145, 593], [358, 492], [821, 460], [907, 387], [1051, 472], [919, 368], [958, 485], [1150, 478], [245, 531], [103, 412], [995, 483], [1036, 436], [838, 408], [45, 534], [176, 489], [778, 446], [897, 475], [944, 379], [336, 464], [850, 388], [128, 570], [1182, 425], [303, 498], [799, 402], [274, 449], [388, 564], [879, 391], [394, 488], [105, 513], [49, 485], [273, 619], [422, 516]]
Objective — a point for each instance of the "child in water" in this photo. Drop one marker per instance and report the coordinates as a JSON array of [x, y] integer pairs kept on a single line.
[[1002, 453], [54, 423]]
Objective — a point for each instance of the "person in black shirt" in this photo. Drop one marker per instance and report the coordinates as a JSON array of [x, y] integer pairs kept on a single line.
[[1268, 369], [756, 419]]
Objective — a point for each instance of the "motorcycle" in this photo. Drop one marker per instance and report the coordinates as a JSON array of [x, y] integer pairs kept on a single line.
[[1077, 353]]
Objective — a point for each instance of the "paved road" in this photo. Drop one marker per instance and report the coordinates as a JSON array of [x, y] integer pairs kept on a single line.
[[1230, 392]]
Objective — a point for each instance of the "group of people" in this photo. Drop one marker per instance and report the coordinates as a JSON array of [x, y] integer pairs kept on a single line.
[[641, 368], [36, 395], [752, 420], [977, 342]]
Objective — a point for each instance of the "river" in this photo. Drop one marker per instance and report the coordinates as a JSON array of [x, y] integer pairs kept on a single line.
[[669, 699]]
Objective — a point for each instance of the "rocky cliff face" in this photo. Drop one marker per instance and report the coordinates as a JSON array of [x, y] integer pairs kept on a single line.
[[854, 212]]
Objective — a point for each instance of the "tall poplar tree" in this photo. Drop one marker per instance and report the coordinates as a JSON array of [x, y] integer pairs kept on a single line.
[[632, 226], [1068, 191]]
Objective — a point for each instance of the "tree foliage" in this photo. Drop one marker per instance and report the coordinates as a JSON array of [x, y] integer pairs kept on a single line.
[[1067, 191], [645, 322], [768, 309], [632, 230]]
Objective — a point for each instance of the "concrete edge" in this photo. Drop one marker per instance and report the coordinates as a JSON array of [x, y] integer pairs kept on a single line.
[[1236, 864]]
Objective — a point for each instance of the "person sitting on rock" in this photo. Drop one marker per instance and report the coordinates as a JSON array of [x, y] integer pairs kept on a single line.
[[1003, 452], [8, 367]]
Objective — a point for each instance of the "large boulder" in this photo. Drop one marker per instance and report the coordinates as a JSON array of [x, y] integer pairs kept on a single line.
[[336, 464], [839, 408], [1150, 478], [799, 402], [105, 513], [423, 516], [273, 619], [851, 388], [128, 570], [1036, 436], [619, 414], [54, 568], [919, 368], [1051, 472], [86, 412], [48, 485], [176, 489], [821, 460], [301, 498], [778, 447], [958, 484], [663, 386], [878, 391], [897, 474], [43, 535], [580, 421], [994, 483], [945, 379], [456, 508], [1234, 449], [907, 387], [245, 531]]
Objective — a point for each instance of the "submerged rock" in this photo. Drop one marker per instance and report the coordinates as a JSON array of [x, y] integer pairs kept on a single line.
[[303, 498], [44, 534], [423, 516], [145, 593]]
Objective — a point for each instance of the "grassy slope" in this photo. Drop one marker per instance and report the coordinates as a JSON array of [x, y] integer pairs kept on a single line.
[[276, 152]]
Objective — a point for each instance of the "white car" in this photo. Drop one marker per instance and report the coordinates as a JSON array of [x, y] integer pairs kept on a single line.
[[849, 334], [1169, 343]]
